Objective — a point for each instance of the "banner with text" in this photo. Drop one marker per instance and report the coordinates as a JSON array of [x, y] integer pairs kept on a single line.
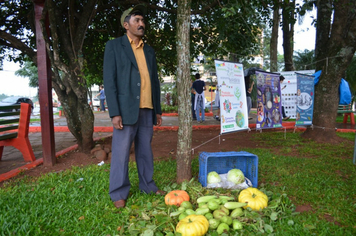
[[305, 99], [269, 109], [289, 91], [233, 107]]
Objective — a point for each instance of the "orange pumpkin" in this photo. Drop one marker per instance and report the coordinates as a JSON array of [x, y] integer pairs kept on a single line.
[[176, 197]]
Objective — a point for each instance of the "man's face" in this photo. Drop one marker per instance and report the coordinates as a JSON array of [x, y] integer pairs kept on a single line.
[[136, 26]]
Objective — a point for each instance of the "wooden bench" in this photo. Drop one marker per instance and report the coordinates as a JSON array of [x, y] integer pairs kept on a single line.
[[14, 129], [347, 111]]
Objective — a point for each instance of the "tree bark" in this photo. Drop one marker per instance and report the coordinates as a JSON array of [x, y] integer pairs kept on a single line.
[[64, 47], [335, 47], [288, 31], [183, 86], [274, 39]]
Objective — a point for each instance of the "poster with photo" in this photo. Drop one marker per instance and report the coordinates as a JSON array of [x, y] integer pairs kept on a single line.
[[289, 91], [305, 99], [233, 107], [269, 109]]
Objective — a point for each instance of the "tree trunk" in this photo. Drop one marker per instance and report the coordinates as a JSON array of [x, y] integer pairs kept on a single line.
[[288, 31], [274, 40], [79, 116], [335, 47], [183, 86], [64, 44]]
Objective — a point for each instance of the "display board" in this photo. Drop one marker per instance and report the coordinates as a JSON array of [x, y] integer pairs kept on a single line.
[[289, 91], [233, 107], [269, 110], [305, 99]]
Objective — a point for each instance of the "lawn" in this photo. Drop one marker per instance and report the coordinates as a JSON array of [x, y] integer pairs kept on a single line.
[[318, 177]]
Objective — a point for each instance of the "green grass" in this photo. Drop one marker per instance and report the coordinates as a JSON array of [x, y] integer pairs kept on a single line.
[[298, 173], [340, 118]]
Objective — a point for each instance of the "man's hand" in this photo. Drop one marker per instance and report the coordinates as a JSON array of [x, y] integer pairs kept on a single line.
[[159, 120], [117, 122]]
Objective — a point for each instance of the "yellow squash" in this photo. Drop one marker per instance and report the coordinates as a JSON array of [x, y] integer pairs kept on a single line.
[[254, 198], [193, 225]]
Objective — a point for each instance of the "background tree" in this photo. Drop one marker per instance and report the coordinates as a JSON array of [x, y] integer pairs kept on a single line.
[[274, 37], [78, 31], [29, 70], [334, 49], [304, 60], [350, 76], [288, 21]]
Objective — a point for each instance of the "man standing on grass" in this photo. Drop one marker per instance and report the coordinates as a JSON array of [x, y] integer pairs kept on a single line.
[[133, 97]]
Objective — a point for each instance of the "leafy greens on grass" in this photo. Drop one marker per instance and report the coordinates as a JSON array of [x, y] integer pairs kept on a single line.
[[320, 177]]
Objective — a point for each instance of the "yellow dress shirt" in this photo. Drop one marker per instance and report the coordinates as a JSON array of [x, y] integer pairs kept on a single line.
[[146, 92]]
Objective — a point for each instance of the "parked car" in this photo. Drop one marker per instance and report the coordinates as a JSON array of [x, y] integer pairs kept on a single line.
[[96, 102], [10, 101]]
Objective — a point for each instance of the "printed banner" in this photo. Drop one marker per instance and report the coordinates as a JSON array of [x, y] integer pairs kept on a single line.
[[305, 99], [269, 109], [289, 91], [233, 107]]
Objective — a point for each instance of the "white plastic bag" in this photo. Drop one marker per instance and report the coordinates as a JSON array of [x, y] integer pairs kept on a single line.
[[230, 185]]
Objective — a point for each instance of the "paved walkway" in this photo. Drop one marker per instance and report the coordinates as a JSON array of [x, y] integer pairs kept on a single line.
[[12, 158]]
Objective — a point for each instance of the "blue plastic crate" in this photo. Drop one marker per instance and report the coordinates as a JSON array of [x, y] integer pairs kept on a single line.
[[222, 162]]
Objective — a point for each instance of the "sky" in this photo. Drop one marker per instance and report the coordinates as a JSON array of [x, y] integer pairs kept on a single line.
[[304, 34], [10, 84]]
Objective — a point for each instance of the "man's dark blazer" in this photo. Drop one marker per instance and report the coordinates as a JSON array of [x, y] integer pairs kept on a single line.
[[122, 80]]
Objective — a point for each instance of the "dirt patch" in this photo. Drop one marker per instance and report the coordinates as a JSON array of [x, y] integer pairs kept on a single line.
[[303, 208]]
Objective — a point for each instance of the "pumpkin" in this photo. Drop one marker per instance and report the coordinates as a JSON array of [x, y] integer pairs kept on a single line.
[[254, 198], [193, 225], [176, 197]]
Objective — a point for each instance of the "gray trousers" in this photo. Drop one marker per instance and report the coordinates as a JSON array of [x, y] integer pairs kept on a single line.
[[141, 134]]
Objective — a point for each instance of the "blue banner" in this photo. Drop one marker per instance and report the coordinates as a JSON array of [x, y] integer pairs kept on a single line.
[[305, 99], [269, 109]]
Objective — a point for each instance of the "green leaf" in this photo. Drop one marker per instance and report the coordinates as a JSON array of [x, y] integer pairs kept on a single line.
[[268, 228], [148, 232], [145, 216], [290, 222], [184, 186], [274, 216]]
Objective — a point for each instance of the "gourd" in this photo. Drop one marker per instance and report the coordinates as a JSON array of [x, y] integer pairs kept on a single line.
[[254, 198], [176, 197], [196, 225]]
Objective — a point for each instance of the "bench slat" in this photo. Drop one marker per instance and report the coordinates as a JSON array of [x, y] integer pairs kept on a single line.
[[345, 109], [4, 108], [9, 127], [14, 131], [9, 121], [5, 114], [8, 136]]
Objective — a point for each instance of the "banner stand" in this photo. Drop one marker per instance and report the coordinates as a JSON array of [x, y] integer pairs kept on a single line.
[[285, 130]]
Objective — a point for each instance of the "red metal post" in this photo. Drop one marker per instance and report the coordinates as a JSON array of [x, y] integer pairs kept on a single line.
[[45, 91]]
